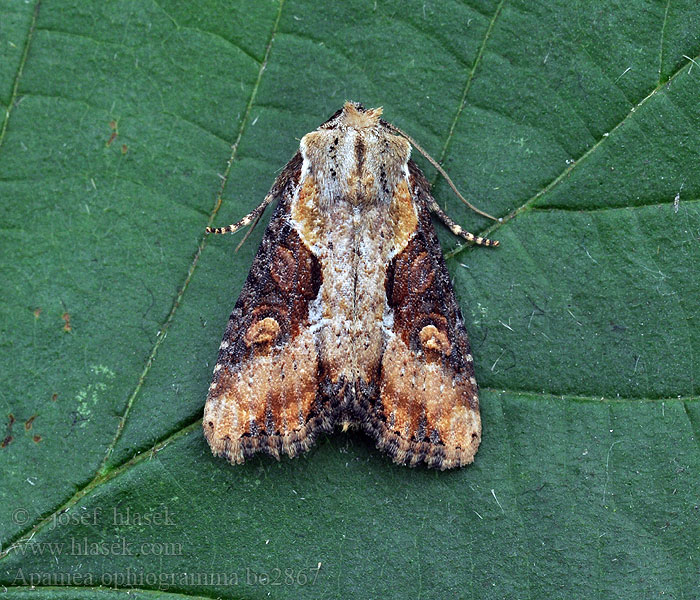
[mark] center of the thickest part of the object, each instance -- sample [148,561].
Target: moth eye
[434,340]
[262,333]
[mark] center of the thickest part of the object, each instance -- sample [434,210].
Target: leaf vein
[589,209]
[139,457]
[200,247]
[661,40]
[528,204]
[18,75]
[467,86]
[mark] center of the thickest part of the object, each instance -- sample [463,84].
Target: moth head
[355,115]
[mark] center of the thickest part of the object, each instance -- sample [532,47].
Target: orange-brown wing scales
[428,407]
[265,391]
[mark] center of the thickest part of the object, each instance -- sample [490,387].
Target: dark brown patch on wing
[427,408]
[265,391]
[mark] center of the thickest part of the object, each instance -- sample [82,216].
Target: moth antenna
[456,229]
[442,172]
[247,234]
[253,215]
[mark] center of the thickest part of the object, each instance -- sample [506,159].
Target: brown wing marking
[264,395]
[428,407]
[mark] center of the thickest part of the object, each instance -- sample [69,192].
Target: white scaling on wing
[388,321]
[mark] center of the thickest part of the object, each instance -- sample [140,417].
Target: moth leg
[253,215]
[456,229]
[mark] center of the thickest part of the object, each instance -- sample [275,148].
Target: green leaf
[129,127]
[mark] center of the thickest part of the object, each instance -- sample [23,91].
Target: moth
[348,316]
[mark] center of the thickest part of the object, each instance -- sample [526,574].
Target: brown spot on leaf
[37,438]
[67,326]
[6,441]
[29,422]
